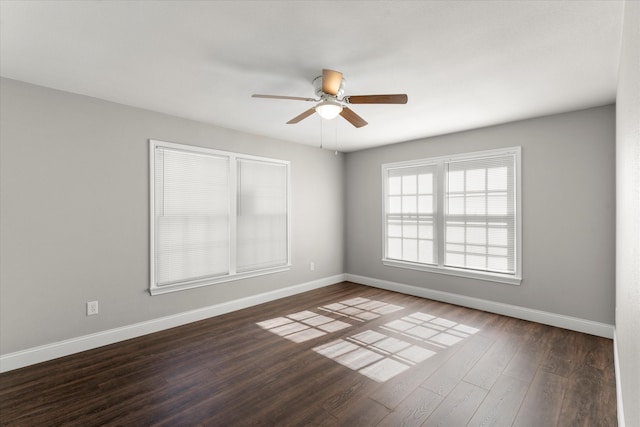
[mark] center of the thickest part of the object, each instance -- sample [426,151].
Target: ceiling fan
[329,88]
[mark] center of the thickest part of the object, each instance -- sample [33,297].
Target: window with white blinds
[455,215]
[215,216]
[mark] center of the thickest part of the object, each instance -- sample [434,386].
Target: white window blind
[215,216]
[192,216]
[410,214]
[480,214]
[455,215]
[262,215]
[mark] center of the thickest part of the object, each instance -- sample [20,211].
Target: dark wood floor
[342,355]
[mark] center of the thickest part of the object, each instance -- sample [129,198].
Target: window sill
[491,277]
[164,289]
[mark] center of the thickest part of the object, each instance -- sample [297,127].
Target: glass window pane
[498,236]
[475,205]
[456,205]
[498,178]
[394,248]
[395,185]
[454,259]
[497,205]
[455,181]
[476,261]
[409,184]
[476,235]
[394,229]
[410,249]
[425,231]
[498,264]
[425,204]
[410,230]
[425,183]
[409,204]
[395,205]
[475,179]
[425,251]
[455,235]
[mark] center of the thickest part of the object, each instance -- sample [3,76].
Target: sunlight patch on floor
[430,329]
[380,354]
[302,326]
[361,309]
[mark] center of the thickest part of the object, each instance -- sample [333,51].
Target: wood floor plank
[458,407]
[229,370]
[490,366]
[501,405]
[543,402]
[414,410]
[364,413]
[453,370]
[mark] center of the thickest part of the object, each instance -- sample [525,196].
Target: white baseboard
[616,364]
[51,351]
[553,319]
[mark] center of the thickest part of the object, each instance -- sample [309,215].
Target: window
[455,215]
[215,216]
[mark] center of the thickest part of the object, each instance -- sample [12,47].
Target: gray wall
[75,216]
[568,205]
[628,216]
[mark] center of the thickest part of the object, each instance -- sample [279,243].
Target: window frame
[232,275]
[439,215]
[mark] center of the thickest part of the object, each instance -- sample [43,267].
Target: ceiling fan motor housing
[317,86]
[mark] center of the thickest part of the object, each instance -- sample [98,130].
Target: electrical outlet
[312,266]
[92,308]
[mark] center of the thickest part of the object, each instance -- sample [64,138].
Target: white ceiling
[463,64]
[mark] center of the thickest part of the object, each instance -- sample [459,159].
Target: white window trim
[154,288]
[511,279]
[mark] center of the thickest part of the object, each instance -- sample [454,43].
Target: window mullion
[233,214]
[440,213]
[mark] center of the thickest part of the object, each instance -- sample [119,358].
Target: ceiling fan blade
[399,98]
[331,81]
[299,117]
[353,118]
[294,98]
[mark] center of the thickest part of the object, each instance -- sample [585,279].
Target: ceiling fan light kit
[329,88]
[329,109]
